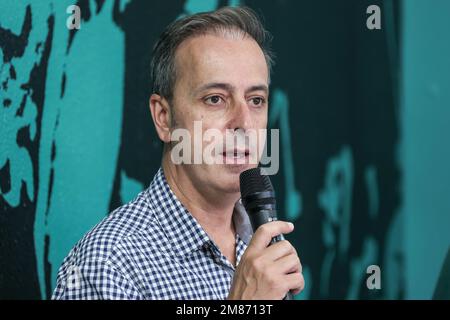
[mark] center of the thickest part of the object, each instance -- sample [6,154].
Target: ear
[159,108]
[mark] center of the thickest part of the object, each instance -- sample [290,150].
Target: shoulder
[126,220]
[101,259]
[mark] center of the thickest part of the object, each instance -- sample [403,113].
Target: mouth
[236,156]
[235,153]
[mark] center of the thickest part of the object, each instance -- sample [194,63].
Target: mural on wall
[77,138]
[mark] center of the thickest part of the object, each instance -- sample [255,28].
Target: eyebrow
[229,87]
[260,87]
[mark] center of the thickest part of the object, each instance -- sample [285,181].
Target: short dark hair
[241,19]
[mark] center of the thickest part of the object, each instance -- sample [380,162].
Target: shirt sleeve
[93,280]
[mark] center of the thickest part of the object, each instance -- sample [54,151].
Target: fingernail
[291,225]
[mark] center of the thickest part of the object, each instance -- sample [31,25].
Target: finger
[278,250]
[288,264]
[294,281]
[296,291]
[267,231]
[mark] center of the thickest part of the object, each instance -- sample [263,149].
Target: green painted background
[426,147]
[364,118]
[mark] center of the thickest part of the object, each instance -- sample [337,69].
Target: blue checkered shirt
[150,248]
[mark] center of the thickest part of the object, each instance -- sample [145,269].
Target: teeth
[235,154]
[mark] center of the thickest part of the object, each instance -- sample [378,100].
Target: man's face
[221,81]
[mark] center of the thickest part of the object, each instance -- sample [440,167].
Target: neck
[213,210]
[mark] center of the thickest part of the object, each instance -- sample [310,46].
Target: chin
[230,175]
[234,170]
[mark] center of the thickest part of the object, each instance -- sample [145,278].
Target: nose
[240,117]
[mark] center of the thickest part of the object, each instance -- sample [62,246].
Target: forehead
[233,59]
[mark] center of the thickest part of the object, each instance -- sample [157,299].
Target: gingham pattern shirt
[150,248]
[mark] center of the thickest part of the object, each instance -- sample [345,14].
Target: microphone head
[252,181]
[257,192]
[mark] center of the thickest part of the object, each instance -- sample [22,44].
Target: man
[188,236]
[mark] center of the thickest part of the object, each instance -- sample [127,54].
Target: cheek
[212,122]
[187,119]
[259,122]
[262,124]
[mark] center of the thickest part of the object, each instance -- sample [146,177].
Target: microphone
[258,198]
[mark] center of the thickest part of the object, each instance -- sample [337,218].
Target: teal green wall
[426,142]
[364,119]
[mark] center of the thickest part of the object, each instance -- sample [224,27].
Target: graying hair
[241,19]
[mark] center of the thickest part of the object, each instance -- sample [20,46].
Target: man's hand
[268,272]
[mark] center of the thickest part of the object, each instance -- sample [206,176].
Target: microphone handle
[260,217]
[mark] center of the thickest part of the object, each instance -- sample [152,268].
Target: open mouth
[236,153]
[232,156]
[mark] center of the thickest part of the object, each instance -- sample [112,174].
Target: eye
[214,100]
[258,101]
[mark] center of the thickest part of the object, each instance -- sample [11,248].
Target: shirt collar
[242,222]
[182,229]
